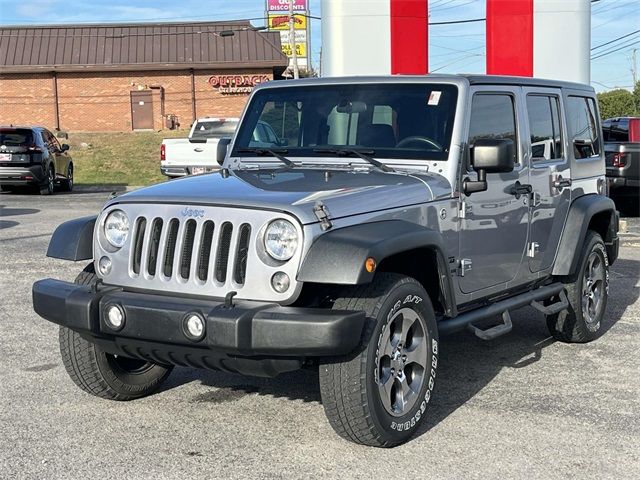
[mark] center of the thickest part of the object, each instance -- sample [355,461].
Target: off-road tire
[571,325]
[102,374]
[350,394]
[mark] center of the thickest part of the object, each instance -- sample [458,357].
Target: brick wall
[102,102]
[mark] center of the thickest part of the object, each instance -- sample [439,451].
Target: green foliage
[636,97]
[618,103]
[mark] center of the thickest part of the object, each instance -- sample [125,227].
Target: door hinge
[535,199]
[465,266]
[534,248]
[322,214]
[465,208]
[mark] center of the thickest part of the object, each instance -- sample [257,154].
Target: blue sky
[453,48]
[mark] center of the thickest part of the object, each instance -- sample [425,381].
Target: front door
[495,223]
[142,110]
[549,175]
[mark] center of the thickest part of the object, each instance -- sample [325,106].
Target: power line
[635,42]
[615,40]
[470,20]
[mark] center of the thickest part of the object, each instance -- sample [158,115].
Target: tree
[636,97]
[617,103]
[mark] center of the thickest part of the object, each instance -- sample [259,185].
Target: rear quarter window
[584,130]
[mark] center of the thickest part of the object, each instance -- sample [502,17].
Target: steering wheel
[405,142]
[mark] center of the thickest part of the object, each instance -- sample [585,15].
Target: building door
[142,110]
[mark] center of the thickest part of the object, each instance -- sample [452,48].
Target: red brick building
[131,77]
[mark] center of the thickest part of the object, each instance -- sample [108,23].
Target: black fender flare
[581,212]
[338,256]
[73,240]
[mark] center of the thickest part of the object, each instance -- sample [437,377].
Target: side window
[46,139]
[544,127]
[583,127]
[493,116]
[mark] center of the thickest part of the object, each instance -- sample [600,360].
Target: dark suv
[33,156]
[622,156]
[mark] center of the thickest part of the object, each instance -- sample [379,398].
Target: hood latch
[322,214]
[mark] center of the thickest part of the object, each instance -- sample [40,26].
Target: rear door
[59,158]
[549,174]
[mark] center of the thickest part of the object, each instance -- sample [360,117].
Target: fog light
[104,266]
[194,326]
[280,282]
[115,317]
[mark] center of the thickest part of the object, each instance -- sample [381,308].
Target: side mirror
[221,151]
[489,155]
[64,147]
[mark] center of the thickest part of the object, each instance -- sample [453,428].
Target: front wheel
[378,396]
[102,374]
[587,292]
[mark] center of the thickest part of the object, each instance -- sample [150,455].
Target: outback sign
[236,83]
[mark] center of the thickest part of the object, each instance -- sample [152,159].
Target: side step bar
[532,298]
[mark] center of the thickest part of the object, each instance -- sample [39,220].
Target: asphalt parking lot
[521,406]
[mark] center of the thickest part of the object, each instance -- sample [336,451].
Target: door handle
[197,150]
[562,182]
[520,189]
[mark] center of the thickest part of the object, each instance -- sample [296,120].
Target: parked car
[386,212]
[33,156]
[622,157]
[197,153]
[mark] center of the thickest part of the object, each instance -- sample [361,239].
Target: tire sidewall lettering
[411,301]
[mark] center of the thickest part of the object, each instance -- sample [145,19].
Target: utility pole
[292,41]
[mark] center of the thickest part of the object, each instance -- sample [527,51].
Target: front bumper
[276,338]
[15,175]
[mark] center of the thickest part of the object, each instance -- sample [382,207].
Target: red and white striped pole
[539,38]
[542,38]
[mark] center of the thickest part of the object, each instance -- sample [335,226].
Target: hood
[343,192]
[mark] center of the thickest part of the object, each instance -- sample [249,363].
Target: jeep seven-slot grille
[191,248]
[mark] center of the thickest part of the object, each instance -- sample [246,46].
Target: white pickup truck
[197,153]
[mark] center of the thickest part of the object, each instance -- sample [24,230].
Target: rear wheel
[587,292]
[378,396]
[102,374]
[49,186]
[67,183]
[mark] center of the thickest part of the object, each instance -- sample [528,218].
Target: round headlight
[116,228]
[281,240]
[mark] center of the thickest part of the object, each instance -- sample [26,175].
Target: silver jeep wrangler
[388,211]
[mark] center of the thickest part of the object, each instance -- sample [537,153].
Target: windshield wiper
[363,154]
[268,151]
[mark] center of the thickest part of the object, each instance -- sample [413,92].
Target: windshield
[390,120]
[215,128]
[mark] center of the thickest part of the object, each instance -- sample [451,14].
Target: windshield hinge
[322,214]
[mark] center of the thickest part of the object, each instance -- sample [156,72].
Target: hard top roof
[473,79]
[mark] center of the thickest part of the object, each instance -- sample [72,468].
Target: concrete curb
[105,188]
